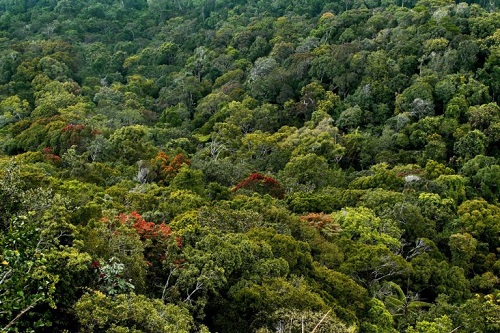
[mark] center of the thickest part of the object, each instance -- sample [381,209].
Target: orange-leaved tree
[259,183]
[167,168]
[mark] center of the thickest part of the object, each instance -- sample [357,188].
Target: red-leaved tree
[167,168]
[259,183]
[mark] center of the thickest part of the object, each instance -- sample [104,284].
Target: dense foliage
[249,166]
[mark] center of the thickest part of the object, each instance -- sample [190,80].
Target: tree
[351,297]
[403,307]
[432,275]
[471,144]
[437,210]
[333,64]
[482,173]
[274,294]
[481,117]
[13,109]
[189,179]
[307,172]
[265,79]
[372,264]
[52,96]
[163,169]
[378,319]
[35,253]
[131,143]
[261,184]
[119,107]
[319,137]
[313,98]
[351,118]
[463,249]
[97,312]
[487,180]
[479,313]
[440,325]
[417,100]
[115,241]
[380,177]
[457,108]
[453,186]
[479,218]
[361,225]
[199,62]
[176,203]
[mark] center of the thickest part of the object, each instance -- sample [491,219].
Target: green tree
[403,307]
[432,276]
[274,294]
[308,172]
[265,78]
[471,144]
[97,312]
[35,254]
[487,180]
[440,325]
[380,177]
[13,109]
[417,100]
[361,225]
[463,248]
[479,218]
[131,143]
[378,319]
[481,117]
[351,118]
[318,136]
[436,209]
[189,179]
[372,264]
[452,186]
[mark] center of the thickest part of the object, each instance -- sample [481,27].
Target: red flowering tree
[160,246]
[167,168]
[323,222]
[49,156]
[74,135]
[259,183]
[158,238]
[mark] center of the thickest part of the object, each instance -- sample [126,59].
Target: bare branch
[321,321]
[5,276]
[13,321]
[172,270]
[198,287]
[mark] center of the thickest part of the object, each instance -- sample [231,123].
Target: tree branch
[12,322]
[198,287]
[172,270]
[321,321]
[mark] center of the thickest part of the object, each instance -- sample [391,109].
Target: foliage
[244,166]
[129,312]
[261,184]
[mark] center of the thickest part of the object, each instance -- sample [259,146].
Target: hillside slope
[249,166]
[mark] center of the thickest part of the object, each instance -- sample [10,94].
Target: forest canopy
[249,166]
